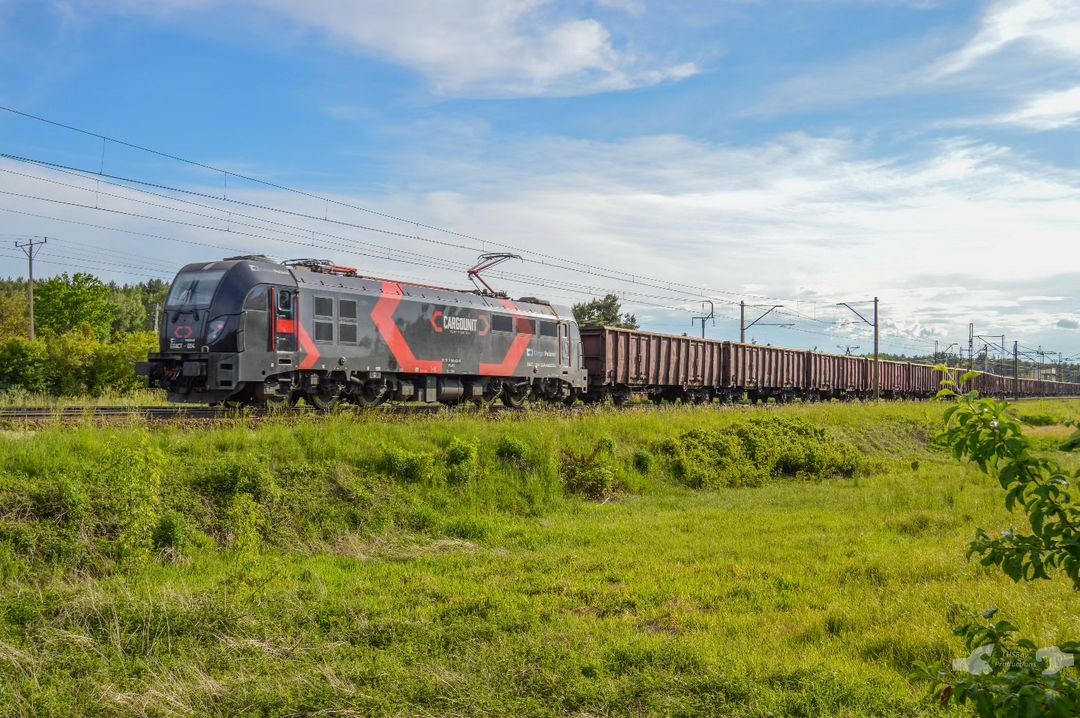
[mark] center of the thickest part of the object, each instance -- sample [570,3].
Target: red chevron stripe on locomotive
[517,349]
[383,316]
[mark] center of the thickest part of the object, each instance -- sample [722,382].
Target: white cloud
[1049,111]
[1050,26]
[1043,112]
[815,219]
[1015,47]
[476,48]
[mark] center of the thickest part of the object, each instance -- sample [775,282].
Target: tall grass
[449,565]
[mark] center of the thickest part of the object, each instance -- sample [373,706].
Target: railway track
[171,413]
[204,413]
[30,413]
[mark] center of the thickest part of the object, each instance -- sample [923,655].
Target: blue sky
[799,153]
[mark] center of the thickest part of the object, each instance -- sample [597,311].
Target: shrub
[588,475]
[74,363]
[643,461]
[172,532]
[512,451]
[704,459]
[132,483]
[244,523]
[462,461]
[409,465]
[749,454]
[1038,419]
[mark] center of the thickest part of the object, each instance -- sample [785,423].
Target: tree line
[89,334]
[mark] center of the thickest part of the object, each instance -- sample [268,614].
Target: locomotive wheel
[323,402]
[370,395]
[492,391]
[515,396]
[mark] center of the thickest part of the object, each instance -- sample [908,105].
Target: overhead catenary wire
[544,258]
[302,233]
[690,290]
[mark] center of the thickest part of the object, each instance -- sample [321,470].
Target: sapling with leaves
[1005,675]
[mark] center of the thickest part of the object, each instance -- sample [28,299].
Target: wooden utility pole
[31,248]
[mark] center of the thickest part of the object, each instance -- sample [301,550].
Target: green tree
[604,312]
[128,308]
[64,303]
[13,311]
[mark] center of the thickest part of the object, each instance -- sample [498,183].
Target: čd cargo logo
[480,324]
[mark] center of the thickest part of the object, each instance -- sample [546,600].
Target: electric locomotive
[250,330]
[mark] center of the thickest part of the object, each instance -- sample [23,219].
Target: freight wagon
[621,362]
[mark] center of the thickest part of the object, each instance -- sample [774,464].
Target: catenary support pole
[1016,370]
[877,358]
[742,322]
[971,346]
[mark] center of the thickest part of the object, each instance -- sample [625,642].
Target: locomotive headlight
[215,329]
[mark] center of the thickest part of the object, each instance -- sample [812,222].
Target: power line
[586,268]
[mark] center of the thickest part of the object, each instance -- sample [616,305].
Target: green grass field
[300,568]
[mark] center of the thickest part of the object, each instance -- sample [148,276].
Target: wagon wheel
[657,398]
[515,396]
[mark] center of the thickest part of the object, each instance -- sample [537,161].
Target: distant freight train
[249,330]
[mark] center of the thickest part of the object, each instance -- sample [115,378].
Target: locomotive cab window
[502,323]
[193,290]
[347,321]
[285,303]
[256,298]
[549,329]
[324,319]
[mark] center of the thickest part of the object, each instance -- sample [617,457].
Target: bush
[512,451]
[1038,419]
[462,461]
[750,454]
[588,475]
[75,363]
[643,461]
[244,523]
[1006,675]
[409,465]
[172,533]
[704,459]
[133,482]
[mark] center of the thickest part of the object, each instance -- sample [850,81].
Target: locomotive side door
[283,326]
[564,346]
